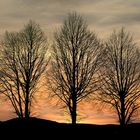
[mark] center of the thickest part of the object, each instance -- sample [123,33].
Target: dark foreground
[48,130]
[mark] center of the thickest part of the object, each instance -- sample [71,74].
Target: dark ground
[40,129]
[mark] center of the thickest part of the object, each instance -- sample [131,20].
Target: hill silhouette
[45,129]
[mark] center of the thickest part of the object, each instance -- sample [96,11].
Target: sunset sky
[102,16]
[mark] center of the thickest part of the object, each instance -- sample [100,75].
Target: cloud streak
[100,14]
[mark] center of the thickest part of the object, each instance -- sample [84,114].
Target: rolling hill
[35,128]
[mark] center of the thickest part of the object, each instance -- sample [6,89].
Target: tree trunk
[74,114]
[122,121]
[74,102]
[27,108]
[27,103]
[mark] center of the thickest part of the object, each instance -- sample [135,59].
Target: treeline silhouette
[80,66]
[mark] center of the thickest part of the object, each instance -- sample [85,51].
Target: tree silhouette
[23,60]
[120,76]
[74,63]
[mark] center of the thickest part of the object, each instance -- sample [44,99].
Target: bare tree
[74,63]
[120,76]
[23,60]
